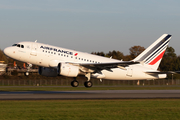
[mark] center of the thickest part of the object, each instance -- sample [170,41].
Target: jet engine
[68,70]
[49,72]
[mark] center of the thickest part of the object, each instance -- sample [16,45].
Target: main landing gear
[74,83]
[87,84]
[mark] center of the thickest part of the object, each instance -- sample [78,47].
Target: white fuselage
[49,56]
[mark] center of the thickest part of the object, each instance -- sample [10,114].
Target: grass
[139,109]
[69,88]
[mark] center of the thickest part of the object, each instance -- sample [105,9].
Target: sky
[90,25]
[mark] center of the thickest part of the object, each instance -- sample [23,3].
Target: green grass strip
[159,109]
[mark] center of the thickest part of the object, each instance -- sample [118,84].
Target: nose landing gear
[28,69]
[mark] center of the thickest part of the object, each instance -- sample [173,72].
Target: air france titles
[57,50]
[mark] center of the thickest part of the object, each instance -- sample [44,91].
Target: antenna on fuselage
[35,41]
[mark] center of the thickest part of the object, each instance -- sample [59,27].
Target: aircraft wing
[107,66]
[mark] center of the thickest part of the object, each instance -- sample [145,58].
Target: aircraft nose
[6,51]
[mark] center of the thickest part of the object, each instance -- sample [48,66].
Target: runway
[90,94]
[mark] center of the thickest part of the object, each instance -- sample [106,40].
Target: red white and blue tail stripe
[153,54]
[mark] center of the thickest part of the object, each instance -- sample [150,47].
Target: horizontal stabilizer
[158,72]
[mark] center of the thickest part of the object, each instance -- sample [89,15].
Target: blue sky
[90,25]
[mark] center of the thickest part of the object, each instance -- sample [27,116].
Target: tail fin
[152,56]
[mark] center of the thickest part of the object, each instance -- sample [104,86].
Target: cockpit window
[14,45]
[18,45]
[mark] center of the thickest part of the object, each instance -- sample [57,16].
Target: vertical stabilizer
[152,56]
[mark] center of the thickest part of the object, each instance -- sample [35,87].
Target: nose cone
[6,51]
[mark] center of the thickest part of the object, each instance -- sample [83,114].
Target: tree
[3,57]
[115,55]
[98,53]
[135,51]
[127,58]
[169,61]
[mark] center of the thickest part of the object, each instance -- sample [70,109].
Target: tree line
[170,61]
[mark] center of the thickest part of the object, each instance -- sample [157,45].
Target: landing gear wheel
[74,83]
[88,84]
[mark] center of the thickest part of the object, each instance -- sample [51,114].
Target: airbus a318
[54,61]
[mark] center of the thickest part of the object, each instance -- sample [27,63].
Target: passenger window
[22,46]
[18,45]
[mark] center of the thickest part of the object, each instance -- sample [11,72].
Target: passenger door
[34,49]
[130,71]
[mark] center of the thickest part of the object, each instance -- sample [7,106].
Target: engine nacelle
[49,72]
[68,70]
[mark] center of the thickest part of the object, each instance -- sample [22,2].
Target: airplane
[54,61]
